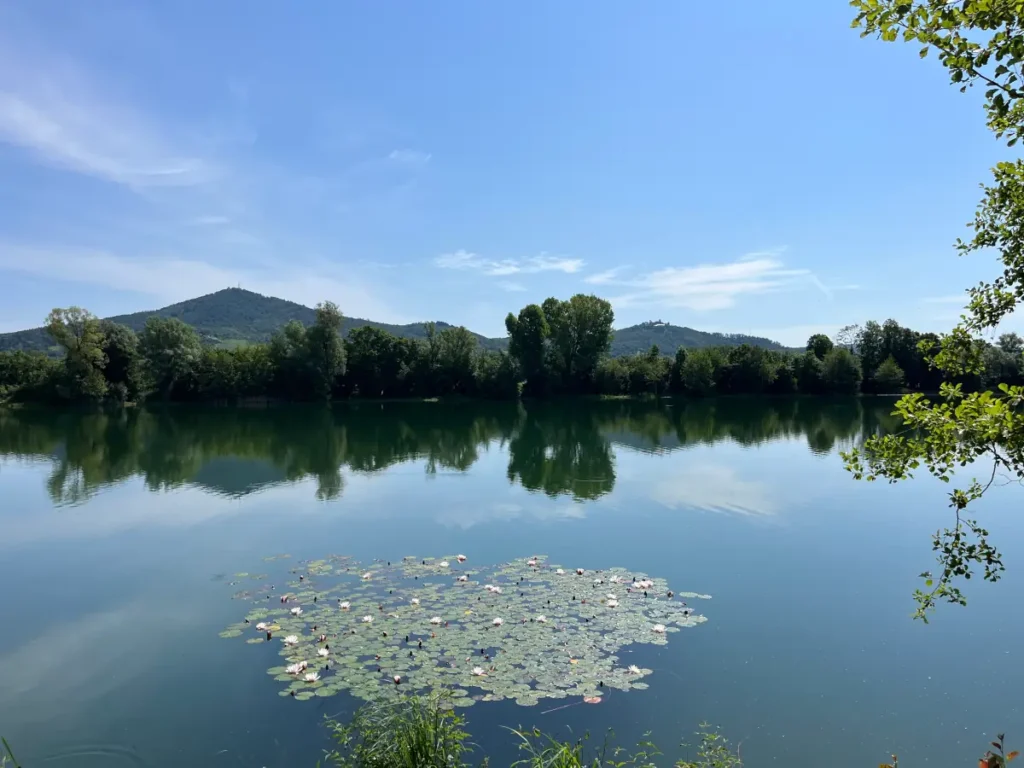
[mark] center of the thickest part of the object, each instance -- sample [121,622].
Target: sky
[741,167]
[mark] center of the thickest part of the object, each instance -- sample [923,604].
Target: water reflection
[560,449]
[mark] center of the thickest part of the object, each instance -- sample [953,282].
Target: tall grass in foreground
[426,733]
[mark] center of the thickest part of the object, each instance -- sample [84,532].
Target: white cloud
[206,190]
[51,109]
[716,488]
[409,157]
[172,279]
[603,278]
[708,287]
[510,286]
[465,260]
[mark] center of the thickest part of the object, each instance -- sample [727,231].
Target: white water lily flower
[461,558]
[323,652]
[367,575]
[645,584]
[659,629]
[312,677]
[443,563]
[542,619]
[613,603]
[415,601]
[262,626]
[611,596]
[297,610]
[489,587]
[633,669]
[367,619]
[496,591]
[615,580]
[559,571]
[436,620]
[291,640]
[579,571]
[498,622]
[531,562]
[478,671]
[463,578]
[598,581]
[294,669]
[344,605]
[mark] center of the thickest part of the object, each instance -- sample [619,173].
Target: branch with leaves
[978,42]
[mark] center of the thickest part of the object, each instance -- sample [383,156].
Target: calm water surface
[119,535]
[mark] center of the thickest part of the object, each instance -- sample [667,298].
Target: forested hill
[235,316]
[231,317]
[639,338]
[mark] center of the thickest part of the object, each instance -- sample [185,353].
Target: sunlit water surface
[119,535]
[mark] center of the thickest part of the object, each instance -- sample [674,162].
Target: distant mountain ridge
[236,316]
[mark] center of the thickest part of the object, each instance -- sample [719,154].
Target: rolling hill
[230,317]
[235,316]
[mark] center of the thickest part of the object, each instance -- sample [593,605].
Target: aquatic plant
[405,733]
[513,631]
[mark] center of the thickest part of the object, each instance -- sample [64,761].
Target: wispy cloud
[409,157]
[465,260]
[712,286]
[603,278]
[168,279]
[51,109]
[204,188]
[508,285]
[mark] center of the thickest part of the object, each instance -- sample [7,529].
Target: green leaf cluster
[980,43]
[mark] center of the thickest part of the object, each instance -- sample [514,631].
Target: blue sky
[744,167]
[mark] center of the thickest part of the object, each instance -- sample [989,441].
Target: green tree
[699,372]
[79,333]
[288,361]
[979,42]
[841,371]
[810,373]
[820,345]
[527,335]
[1012,344]
[581,333]
[374,362]
[456,348]
[123,369]
[889,376]
[325,353]
[748,370]
[172,351]
[678,362]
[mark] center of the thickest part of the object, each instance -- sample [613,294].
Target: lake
[120,536]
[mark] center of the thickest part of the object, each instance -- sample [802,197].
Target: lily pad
[522,630]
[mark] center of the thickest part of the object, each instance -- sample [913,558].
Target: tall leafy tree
[456,348]
[80,335]
[979,42]
[699,372]
[527,335]
[581,333]
[123,369]
[820,345]
[840,371]
[325,353]
[172,351]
